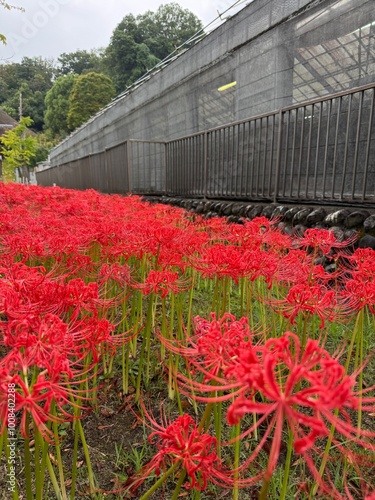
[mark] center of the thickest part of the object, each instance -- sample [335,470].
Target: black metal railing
[318,151]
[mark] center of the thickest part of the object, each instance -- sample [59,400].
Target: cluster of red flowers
[77,267]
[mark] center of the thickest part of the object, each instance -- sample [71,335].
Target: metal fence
[321,150]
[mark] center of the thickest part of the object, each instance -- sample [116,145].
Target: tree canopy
[79,62]
[90,93]
[18,148]
[139,42]
[32,78]
[57,105]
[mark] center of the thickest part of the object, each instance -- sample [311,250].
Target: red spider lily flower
[308,390]
[263,233]
[363,264]
[26,290]
[293,268]
[196,451]
[183,443]
[116,272]
[46,341]
[359,293]
[82,297]
[94,336]
[323,240]
[221,260]
[260,263]
[215,344]
[37,401]
[46,399]
[312,299]
[162,283]
[235,261]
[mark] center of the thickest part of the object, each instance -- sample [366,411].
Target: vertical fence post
[278,156]
[129,164]
[106,172]
[205,164]
[165,190]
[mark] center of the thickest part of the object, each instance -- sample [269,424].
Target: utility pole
[20,108]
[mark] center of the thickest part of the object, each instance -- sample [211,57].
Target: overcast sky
[48,28]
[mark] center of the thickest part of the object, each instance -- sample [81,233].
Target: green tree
[32,78]
[90,93]
[18,148]
[57,106]
[43,148]
[138,43]
[79,62]
[169,27]
[126,59]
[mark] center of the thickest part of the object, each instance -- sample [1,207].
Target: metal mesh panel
[97,173]
[186,166]
[117,169]
[147,172]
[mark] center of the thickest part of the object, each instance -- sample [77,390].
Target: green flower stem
[26,446]
[275,448]
[140,367]
[37,462]
[357,331]
[242,296]
[190,303]
[205,420]
[177,490]
[160,481]
[215,297]
[225,295]
[149,323]
[59,460]
[74,462]
[87,456]
[43,462]
[171,389]
[177,304]
[125,367]
[94,398]
[145,345]
[359,362]
[163,327]
[288,459]
[237,451]
[2,440]
[218,423]
[322,467]
[249,304]
[263,494]
[54,481]
[262,310]
[180,305]
[172,309]
[193,402]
